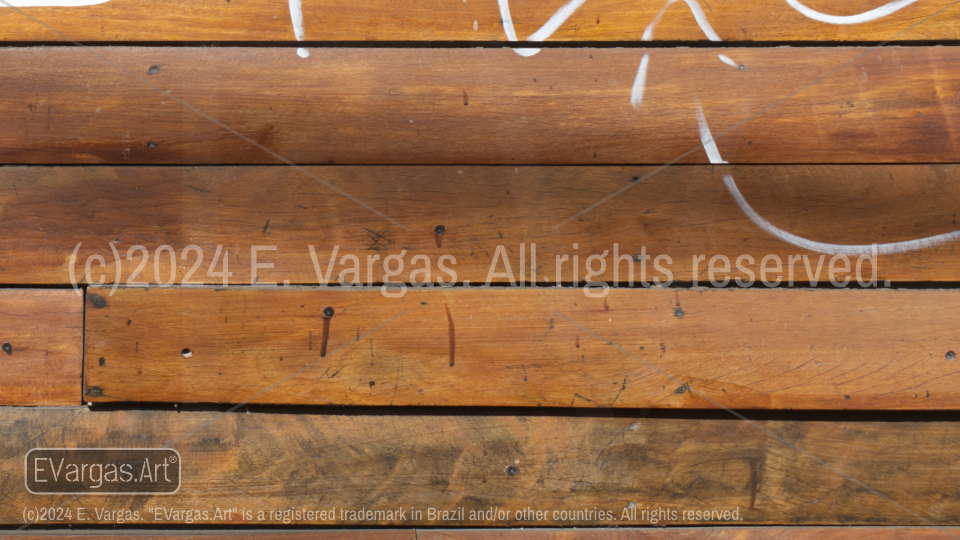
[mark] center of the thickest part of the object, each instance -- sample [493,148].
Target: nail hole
[951,356]
[154,69]
[98,301]
[513,470]
[439,229]
[328,312]
[8,348]
[151,145]
[186,353]
[678,313]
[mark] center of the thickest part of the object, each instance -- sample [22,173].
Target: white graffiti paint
[891,248]
[52,3]
[296,17]
[867,16]
[726,60]
[545,31]
[636,95]
[713,153]
[698,15]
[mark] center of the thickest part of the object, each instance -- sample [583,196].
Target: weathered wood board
[41,347]
[779,349]
[675,215]
[422,20]
[625,533]
[478,106]
[587,470]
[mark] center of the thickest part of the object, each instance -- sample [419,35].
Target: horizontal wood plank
[422,20]
[778,349]
[674,215]
[564,464]
[41,357]
[626,533]
[480,106]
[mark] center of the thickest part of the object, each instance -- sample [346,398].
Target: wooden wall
[668,269]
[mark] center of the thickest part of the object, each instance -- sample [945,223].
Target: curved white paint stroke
[698,14]
[892,248]
[867,16]
[53,3]
[636,95]
[726,60]
[544,32]
[713,153]
[296,17]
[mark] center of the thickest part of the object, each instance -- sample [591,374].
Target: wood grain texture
[679,212]
[699,533]
[41,358]
[368,534]
[422,20]
[626,533]
[480,106]
[279,461]
[777,349]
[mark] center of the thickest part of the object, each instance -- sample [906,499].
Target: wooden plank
[626,533]
[369,534]
[41,354]
[772,349]
[421,20]
[565,464]
[700,533]
[680,213]
[479,106]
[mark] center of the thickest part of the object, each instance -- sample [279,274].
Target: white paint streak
[636,95]
[867,16]
[713,153]
[892,248]
[53,3]
[698,14]
[726,60]
[296,17]
[558,19]
[545,31]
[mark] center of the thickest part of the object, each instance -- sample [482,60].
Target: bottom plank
[313,469]
[678,533]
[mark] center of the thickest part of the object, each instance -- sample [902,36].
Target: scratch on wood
[453,334]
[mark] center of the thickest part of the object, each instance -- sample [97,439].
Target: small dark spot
[678,313]
[846,396]
[7,348]
[128,322]
[742,67]
[186,353]
[328,312]
[94,391]
[154,69]
[265,227]
[951,356]
[98,301]
[683,389]
[439,229]
[513,470]
[102,361]
[372,383]
[465,101]
[750,143]
[151,145]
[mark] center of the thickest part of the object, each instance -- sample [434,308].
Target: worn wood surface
[626,533]
[480,106]
[780,349]
[41,357]
[422,20]
[700,533]
[279,461]
[679,212]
